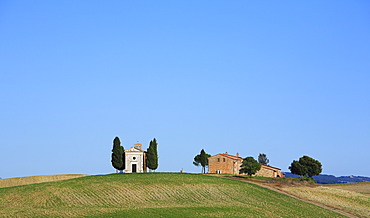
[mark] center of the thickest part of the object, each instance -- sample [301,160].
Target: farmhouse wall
[224,163]
[269,171]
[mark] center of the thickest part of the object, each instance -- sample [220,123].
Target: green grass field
[151,194]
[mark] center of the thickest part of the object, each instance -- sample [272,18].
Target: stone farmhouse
[226,163]
[135,159]
[269,171]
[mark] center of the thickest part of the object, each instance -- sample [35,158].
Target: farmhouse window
[218,159]
[224,159]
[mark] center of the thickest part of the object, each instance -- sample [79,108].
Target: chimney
[237,154]
[226,152]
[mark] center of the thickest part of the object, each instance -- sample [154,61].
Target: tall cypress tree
[203,160]
[152,155]
[155,154]
[117,155]
[123,159]
[262,159]
[149,156]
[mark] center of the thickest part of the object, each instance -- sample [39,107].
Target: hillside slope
[352,197]
[152,194]
[361,187]
[36,179]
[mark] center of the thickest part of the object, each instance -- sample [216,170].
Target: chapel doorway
[134,168]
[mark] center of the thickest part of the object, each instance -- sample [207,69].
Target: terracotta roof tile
[268,166]
[230,156]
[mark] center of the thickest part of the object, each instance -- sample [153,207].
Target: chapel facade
[135,159]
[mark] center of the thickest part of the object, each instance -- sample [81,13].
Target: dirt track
[277,189]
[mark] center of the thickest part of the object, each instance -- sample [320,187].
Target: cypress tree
[155,154]
[152,155]
[149,156]
[262,159]
[123,159]
[117,155]
[202,160]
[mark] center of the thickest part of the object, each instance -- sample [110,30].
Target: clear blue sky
[282,78]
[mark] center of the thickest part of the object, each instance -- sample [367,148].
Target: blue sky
[282,78]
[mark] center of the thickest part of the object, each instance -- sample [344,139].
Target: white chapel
[135,159]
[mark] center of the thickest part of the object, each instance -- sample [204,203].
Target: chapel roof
[134,149]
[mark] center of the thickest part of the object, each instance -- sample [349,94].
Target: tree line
[118,155]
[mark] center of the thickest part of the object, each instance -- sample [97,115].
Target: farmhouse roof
[230,156]
[270,167]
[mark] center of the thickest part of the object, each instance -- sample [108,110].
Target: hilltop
[152,194]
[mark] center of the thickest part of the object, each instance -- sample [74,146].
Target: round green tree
[306,166]
[249,166]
